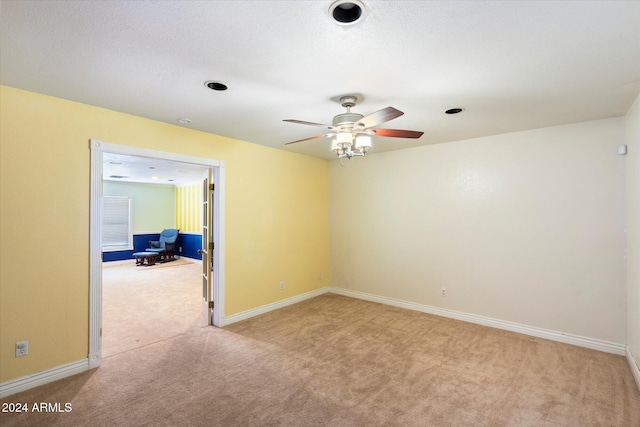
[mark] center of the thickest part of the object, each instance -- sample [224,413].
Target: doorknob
[200,251]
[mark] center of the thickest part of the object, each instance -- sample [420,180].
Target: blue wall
[190,243]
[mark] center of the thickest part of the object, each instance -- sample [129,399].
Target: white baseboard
[227,320]
[44,377]
[635,369]
[21,384]
[591,343]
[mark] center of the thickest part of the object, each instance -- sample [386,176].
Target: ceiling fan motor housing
[346,120]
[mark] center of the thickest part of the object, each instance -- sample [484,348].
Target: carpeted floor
[142,305]
[337,361]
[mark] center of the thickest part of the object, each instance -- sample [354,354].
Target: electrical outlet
[443,292]
[319,277]
[282,286]
[22,348]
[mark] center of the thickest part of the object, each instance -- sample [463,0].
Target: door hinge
[211,305]
[211,246]
[212,186]
[100,331]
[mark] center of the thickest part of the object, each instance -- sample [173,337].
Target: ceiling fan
[353,131]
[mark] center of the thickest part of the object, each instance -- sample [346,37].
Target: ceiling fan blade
[300,122]
[324,135]
[379,117]
[398,133]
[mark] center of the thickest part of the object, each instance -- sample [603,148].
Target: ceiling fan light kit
[351,132]
[363,142]
[346,144]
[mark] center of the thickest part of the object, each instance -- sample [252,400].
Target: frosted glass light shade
[344,139]
[363,142]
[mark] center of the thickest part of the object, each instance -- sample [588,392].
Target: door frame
[95,224]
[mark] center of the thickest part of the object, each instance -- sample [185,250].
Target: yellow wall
[189,208]
[276,220]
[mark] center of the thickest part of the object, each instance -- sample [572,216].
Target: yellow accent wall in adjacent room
[275,231]
[189,208]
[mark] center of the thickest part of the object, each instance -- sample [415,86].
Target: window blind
[116,223]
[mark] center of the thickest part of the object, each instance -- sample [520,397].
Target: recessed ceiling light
[346,12]
[213,85]
[454,111]
[184,121]
[154,177]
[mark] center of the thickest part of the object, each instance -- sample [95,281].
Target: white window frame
[125,246]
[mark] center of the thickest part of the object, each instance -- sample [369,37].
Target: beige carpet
[146,304]
[337,361]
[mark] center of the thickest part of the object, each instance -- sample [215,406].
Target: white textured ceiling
[122,167]
[513,65]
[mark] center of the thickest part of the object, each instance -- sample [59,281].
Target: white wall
[632,139]
[525,227]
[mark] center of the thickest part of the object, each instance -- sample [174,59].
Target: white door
[207,249]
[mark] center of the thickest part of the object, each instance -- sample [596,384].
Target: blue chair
[166,246]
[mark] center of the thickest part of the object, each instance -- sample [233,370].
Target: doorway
[217,169]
